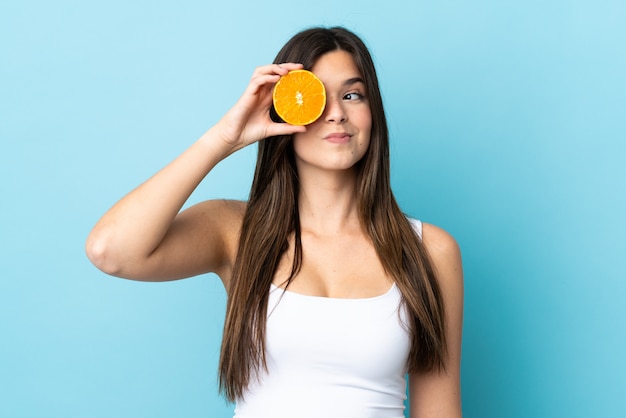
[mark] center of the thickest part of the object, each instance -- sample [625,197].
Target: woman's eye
[353,96]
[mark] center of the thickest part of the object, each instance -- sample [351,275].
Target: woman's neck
[328,202]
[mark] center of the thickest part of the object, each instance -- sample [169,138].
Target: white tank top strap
[417,226]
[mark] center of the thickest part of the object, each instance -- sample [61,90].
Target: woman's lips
[338,137]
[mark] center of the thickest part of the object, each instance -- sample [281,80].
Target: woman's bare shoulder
[221,216]
[232,210]
[443,250]
[437,239]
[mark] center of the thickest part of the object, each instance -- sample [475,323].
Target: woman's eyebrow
[352,81]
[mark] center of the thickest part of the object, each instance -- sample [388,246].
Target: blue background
[508,123]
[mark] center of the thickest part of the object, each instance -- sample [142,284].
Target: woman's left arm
[438,394]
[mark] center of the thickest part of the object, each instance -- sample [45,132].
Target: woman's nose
[334,111]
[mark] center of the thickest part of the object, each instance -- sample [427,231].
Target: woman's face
[341,136]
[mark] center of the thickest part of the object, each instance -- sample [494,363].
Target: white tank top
[332,357]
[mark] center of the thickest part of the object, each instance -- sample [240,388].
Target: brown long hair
[272,216]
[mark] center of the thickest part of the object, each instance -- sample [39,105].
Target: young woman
[334,295]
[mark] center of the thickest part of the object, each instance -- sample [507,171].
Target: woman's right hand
[249,119]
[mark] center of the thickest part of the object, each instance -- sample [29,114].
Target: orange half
[299,97]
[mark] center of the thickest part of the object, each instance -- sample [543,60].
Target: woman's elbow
[99,252]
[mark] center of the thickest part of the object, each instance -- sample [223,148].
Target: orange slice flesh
[299,97]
